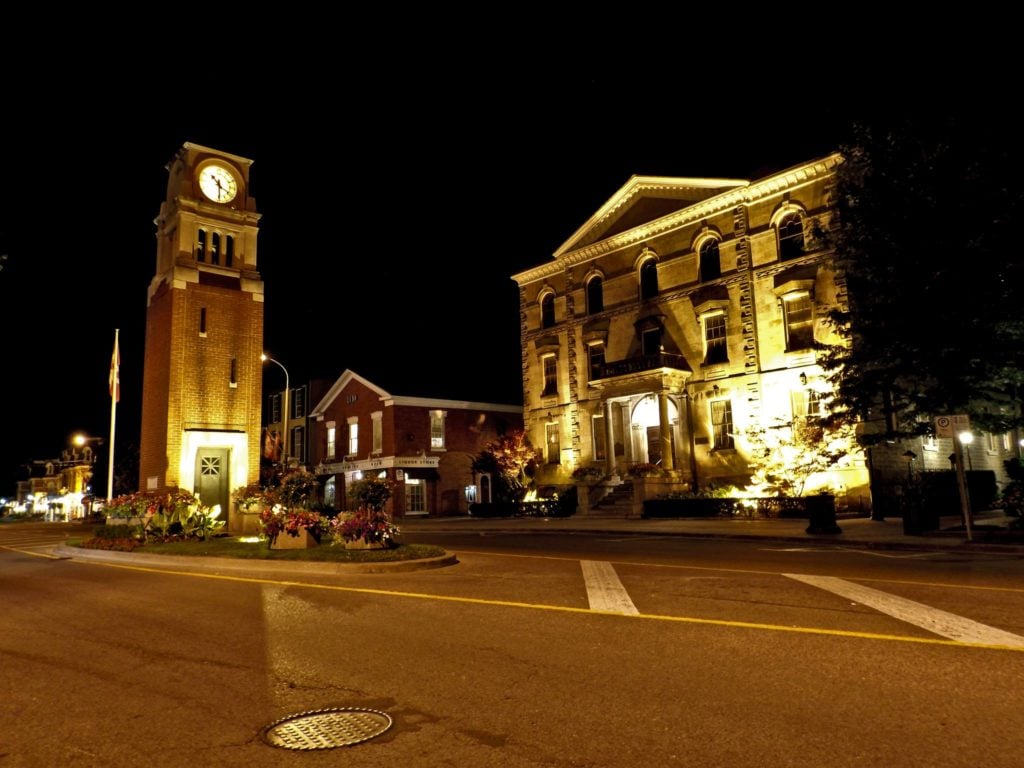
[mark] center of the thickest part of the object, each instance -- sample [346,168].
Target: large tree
[928,238]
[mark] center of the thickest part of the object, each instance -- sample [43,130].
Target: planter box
[360,544]
[302,541]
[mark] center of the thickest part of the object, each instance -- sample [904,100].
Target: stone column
[609,440]
[667,459]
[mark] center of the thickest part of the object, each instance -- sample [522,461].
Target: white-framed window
[275,409]
[415,495]
[715,348]
[992,442]
[437,430]
[552,443]
[377,425]
[710,264]
[721,424]
[1007,441]
[791,236]
[332,440]
[353,436]
[297,404]
[600,437]
[550,364]
[648,279]
[547,310]
[595,295]
[595,359]
[807,404]
[298,450]
[798,313]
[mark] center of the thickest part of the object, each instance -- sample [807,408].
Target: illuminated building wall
[204,332]
[678,317]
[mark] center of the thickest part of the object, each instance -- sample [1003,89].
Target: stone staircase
[617,504]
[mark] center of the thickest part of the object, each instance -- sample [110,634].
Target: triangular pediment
[642,200]
[339,386]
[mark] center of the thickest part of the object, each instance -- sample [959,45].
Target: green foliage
[511,461]
[785,455]
[926,239]
[297,489]
[371,492]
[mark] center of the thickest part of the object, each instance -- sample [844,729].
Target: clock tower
[204,334]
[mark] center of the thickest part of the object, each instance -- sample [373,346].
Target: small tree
[784,456]
[371,493]
[511,461]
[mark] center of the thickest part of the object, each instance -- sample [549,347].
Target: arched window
[229,251]
[710,261]
[791,236]
[215,248]
[648,279]
[201,245]
[595,295]
[547,311]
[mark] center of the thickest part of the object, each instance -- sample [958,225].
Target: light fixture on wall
[714,388]
[803,379]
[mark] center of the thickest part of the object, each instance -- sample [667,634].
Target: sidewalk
[857,531]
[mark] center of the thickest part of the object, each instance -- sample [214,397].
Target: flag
[115,372]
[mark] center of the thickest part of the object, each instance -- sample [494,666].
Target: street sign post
[954,426]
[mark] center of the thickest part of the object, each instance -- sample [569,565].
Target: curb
[255,564]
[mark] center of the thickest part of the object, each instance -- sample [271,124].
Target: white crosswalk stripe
[932,619]
[604,590]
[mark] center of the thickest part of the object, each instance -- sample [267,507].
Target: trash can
[821,514]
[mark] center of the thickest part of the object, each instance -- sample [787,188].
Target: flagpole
[115,395]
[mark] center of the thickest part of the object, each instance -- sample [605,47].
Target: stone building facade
[677,320]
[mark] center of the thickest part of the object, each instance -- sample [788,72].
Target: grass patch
[229,546]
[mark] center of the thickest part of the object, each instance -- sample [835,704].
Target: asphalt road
[557,651]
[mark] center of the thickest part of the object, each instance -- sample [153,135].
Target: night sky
[393,216]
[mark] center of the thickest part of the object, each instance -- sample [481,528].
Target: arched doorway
[646,422]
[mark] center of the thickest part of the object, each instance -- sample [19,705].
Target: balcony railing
[642,363]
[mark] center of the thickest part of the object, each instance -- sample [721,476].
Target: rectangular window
[201,245]
[332,441]
[595,353]
[215,248]
[330,491]
[721,424]
[234,371]
[715,348]
[600,442]
[229,250]
[298,450]
[415,495]
[552,444]
[377,425]
[806,404]
[650,341]
[437,430]
[799,319]
[550,376]
[353,437]
[202,321]
[298,403]
[1007,441]
[275,409]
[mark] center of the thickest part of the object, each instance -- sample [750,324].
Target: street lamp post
[284,412]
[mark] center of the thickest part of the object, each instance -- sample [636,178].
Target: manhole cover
[326,728]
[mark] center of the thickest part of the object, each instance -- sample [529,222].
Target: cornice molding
[746,195]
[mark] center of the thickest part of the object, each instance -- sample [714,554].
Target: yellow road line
[558,608]
[34,554]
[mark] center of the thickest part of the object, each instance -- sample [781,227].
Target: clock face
[218,184]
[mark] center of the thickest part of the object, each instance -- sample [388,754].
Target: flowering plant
[644,470]
[248,496]
[587,472]
[368,525]
[279,519]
